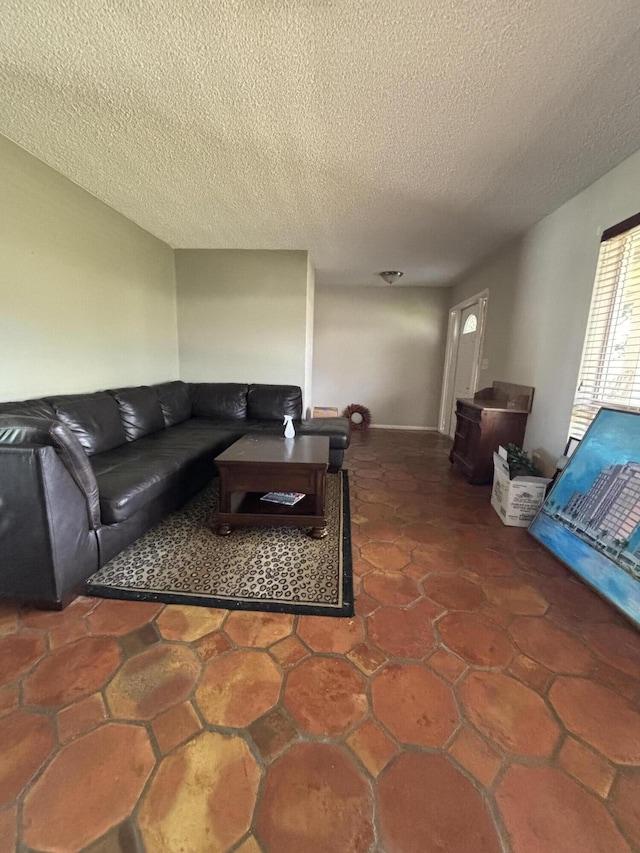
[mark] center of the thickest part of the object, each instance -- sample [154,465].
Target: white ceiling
[378,134]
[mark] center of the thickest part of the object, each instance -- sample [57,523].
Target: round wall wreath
[359,416]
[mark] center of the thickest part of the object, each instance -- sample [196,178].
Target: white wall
[242,315]
[382,347]
[308,355]
[87,298]
[539,296]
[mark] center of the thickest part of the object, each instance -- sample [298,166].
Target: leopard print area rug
[277,569]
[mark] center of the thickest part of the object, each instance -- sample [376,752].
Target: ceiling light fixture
[391,276]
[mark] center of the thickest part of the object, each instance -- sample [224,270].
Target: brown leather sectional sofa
[84,475]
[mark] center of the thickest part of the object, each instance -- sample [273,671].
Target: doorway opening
[462,357]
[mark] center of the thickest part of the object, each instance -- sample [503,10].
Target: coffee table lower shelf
[250,510]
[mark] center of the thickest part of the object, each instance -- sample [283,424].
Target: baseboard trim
[413,428]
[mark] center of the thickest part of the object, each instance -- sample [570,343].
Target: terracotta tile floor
[482,699]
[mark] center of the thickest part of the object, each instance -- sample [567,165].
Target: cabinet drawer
[462,427]
[468,412]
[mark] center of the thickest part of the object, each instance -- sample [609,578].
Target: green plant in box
[519,463]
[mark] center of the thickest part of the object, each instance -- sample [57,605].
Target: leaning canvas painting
[591,518]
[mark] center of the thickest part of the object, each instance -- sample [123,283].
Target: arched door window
[470,324]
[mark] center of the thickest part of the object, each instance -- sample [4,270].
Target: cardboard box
[324,412]
[516,501]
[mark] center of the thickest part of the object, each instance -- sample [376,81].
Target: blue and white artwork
[591,518]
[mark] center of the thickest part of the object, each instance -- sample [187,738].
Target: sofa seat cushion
[338,430]
[129,482]
[94,419]
[273,402]
[221,401]
[194,438]
[140,411]
[264,427]
[132,476]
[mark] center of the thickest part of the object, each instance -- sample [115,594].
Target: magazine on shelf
[288,498]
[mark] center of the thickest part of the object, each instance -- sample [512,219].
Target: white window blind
[610,369]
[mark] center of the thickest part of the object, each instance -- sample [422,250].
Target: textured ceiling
[377,134]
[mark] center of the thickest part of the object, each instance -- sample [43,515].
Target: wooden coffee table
[257,464]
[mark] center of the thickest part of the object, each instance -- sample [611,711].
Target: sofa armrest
[338,430]
[48,547]
[18,431]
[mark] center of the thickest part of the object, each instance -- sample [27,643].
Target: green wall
[242,315]
[87,298]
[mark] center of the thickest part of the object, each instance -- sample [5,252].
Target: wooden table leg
[318,532]
[224,505]
[320,484]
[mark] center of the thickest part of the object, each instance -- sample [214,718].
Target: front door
[462,362]
[466,360]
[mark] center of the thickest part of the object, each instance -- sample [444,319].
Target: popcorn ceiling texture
[377,134]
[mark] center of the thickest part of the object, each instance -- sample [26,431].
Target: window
[470,324]
[610,370]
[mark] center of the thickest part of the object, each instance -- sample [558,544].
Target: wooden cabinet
[494,417]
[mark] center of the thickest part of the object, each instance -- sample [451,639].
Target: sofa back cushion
[223,401]
[140,411]
[30,408]
[94,419]
[273,402]
[175,402]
